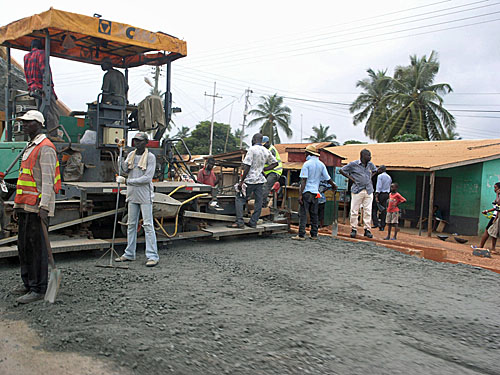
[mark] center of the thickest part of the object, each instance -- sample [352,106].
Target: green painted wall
[407,182]
[465,189]
[490,176]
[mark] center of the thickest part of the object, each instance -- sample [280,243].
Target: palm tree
[369,103]
[272,114]
[321,135]
[183,132]
[416,104]
[237,135]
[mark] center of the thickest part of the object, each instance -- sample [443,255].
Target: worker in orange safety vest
[38,182]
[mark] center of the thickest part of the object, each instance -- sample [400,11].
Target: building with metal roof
[458,176]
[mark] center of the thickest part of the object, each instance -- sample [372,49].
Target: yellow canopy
[91,39]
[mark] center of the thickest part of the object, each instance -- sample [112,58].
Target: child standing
[392,219]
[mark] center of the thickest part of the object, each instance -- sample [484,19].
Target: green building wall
[490,176]
[466,198]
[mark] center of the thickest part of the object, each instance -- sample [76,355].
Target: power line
[314,48]
[328,27]
[364,28]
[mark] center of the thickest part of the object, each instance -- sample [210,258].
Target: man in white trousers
[360,172]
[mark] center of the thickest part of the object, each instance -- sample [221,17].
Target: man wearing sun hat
[140,166]
[312,173]
[38,182]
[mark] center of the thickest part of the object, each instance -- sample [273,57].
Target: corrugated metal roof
[283,147]
[432,155]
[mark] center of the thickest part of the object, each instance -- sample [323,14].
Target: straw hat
[311,149]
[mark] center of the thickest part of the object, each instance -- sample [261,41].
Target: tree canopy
[408,103]
[321,135]
[353,142]
[199,140]
[272,115]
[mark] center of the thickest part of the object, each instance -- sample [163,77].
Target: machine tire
[123,228]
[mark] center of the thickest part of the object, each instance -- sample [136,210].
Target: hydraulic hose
[178,211]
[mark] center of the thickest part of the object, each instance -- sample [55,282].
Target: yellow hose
[177,214]
[177,188]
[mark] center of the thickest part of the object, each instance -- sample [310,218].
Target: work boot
[30,297]
[298,238]
[353,233]
[368,234]
[123,258]
[20,291]
[314,238]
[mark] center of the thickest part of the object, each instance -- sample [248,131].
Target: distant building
[464,174]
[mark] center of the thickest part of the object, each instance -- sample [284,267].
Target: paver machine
[88,142]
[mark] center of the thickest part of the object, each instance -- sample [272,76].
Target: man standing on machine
[114,85]
[34,70]
[272,175]
[39,181]
[140,166]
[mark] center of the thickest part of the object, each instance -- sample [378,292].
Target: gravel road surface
[271,306]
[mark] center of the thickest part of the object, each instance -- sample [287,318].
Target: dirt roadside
[272,306]
[20,353]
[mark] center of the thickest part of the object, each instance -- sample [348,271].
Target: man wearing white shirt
[382,191]
[252,180]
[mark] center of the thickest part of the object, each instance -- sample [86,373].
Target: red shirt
[394,200]
[206,178]
[34,67]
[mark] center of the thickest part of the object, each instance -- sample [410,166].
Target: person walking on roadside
[360,172]
[312,173]
[140,165]
[382,190]
[252,180]
[272,175]
[38,182]
[493,213]
[395,199]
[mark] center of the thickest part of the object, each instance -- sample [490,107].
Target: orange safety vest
[26,192]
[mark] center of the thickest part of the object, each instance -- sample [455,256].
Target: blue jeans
[134,209]
[256,190]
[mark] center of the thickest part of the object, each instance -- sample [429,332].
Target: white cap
[33,115]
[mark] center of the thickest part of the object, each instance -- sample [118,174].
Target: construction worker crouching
[273,175]
[39,181]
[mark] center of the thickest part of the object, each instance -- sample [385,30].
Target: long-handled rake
[112,252]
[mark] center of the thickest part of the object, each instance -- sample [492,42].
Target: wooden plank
[69,223]
[208,216]
[218,232]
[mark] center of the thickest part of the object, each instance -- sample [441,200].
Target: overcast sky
[312,51]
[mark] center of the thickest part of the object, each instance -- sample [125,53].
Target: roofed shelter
[90,40]
[458,176]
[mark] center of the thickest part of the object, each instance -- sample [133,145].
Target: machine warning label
[104,26]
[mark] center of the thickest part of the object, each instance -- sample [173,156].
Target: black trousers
[382,198]
[32,252]
[309,204]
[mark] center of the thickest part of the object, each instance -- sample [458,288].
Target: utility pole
[157,79]
[214,96]
[245,113]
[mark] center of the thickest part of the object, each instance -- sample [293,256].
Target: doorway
[442,196]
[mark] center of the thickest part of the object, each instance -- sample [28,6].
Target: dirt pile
[273,305]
